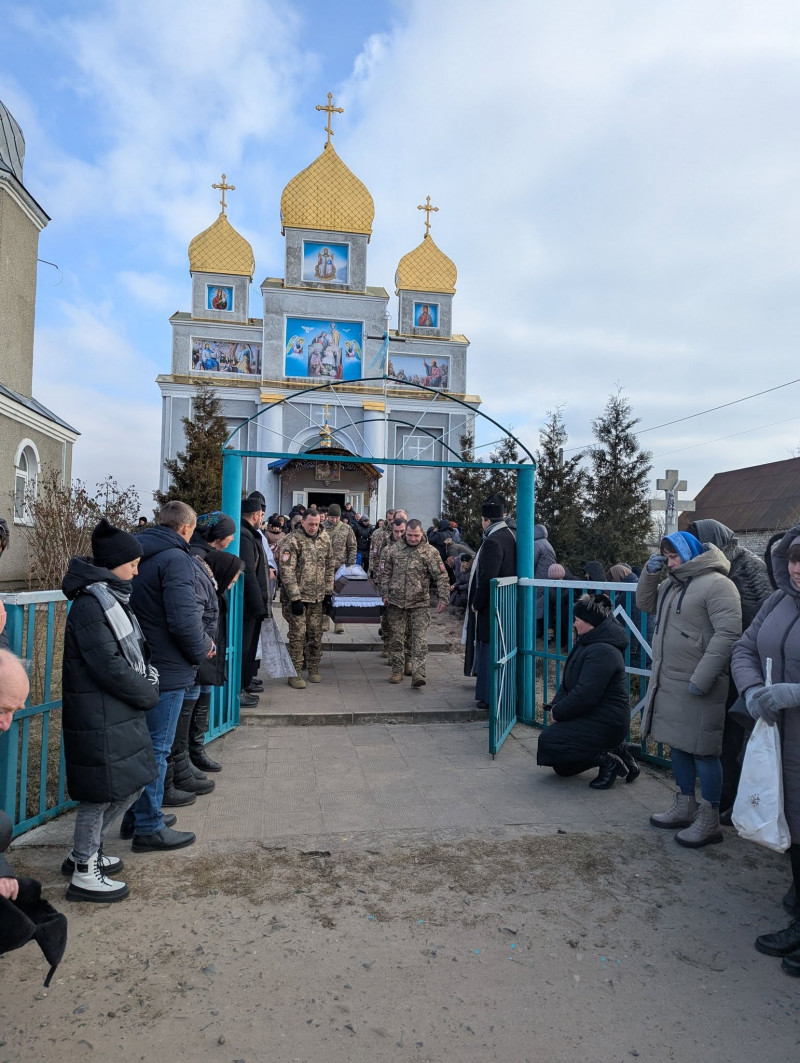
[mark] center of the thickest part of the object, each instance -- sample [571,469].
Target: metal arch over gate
[511,688]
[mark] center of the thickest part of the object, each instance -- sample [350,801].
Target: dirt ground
[561,948]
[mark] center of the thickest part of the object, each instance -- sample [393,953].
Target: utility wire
[747,431]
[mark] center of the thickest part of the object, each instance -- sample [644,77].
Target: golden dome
[220,249]
[426,269]
[329,196]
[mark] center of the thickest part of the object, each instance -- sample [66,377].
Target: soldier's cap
[334,510]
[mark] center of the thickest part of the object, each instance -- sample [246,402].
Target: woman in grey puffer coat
[698,620]
[775,635]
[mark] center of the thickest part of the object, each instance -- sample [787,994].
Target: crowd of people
[145,644]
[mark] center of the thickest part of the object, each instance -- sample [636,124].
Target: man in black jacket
[256,592]
[496,559]
[165,603]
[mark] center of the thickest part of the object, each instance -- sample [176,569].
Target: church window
[26,473]
[417,447]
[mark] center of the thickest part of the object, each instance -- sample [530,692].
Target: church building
[390,392]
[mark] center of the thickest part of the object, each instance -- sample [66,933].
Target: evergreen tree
[197,472]
[464,493]
[561,485]
[619,487]
[504,481]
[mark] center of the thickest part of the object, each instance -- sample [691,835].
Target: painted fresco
[426,315]
[323,350]
[326,263]
[418,369]
[213,356]
[219,297]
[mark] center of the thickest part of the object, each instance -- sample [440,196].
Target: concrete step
[338,718]
[346,644]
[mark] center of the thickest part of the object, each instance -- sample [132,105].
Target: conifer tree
[619,487]
[504,481]
[197,471]
[561,484]
[464,493]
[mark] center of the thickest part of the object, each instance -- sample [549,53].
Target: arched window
[26,473]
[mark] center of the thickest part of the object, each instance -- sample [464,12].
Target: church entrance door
[326,498]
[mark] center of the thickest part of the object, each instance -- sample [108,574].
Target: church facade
[377,392]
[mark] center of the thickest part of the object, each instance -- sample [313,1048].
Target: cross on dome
[331,111]
[427,208]
[225,188]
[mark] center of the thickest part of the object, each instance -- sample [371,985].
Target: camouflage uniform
[376,544]
[378,571]
[343,541]
[306,569]
[409,571]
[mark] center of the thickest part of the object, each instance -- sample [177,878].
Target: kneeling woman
[591,710]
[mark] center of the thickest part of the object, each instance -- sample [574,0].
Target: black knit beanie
[112,546]
[593,608]
[493,508]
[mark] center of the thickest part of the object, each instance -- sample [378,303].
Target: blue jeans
[161,723]
[685,766]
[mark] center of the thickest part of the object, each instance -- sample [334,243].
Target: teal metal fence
[32,775]
[503,675]
[551,643]
[32,770]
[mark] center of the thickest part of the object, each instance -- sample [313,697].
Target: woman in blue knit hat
[698,619]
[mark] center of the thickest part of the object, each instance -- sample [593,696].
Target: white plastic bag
[758,808]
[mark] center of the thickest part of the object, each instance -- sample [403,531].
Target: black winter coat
[107,747]
[496,560]
[591,711]
[165,602]
[256,594]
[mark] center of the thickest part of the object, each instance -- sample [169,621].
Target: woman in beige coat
[698,620]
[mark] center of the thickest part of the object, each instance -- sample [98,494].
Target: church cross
[225,188]
[331,111]
[427,208]
[671,485]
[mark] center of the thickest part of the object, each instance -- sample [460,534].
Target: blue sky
[619,186]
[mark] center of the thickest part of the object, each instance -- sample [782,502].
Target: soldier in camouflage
[306,569]
[410,566]
[379,539]
[343,540]
[396,532]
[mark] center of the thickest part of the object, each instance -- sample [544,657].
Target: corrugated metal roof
[760,498]
[36,407]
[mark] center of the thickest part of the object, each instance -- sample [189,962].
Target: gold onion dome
[220,249]
[426,269]
[327,195]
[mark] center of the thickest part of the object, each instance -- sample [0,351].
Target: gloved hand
[327,603]
[698,693]
[298,608]
[656,563]
[767,702]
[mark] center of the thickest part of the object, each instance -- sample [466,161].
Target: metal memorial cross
[331,111]
[427,208]
[224,188]
[671,485]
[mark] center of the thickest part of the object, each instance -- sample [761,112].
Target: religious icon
[329,350]
[219,297]
[325,263]
[433,372]
[214,356]
[426,315]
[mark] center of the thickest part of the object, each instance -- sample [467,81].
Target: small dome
[220,249]
[328,196]
[426,269]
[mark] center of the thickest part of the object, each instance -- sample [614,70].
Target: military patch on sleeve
[285,555]
[441,566]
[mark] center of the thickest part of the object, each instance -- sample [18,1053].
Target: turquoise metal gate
[503,660]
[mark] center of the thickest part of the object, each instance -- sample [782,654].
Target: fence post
[9,741]
[526,599]
[232,505]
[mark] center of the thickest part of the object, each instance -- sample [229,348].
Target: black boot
[610,767]
[625,754]
[197,733]
[185,779]
[173,796]
[127,823]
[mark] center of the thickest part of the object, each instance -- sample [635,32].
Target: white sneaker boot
[90,884]
[109,865]
[704,830]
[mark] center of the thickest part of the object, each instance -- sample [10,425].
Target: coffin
[355,597]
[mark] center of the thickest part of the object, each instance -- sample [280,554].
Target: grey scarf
[125,627]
